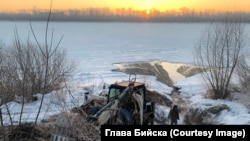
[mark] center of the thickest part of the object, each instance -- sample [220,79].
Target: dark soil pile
[159,98]
[28,131]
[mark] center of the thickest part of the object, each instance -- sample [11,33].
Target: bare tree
[28,68]
[55,67]
[219,50]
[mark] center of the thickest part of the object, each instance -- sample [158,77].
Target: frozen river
[96,46]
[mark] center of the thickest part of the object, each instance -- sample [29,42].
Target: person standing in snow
[173,115]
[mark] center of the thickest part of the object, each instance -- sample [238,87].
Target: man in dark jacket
[174,115]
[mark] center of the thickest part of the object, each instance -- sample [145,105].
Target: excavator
[125,103]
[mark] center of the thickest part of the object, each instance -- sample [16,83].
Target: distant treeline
[127,15]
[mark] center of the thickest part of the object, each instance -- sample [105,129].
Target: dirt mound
[188,70]
[159,98]
[28,131]
[164,72]
[75,126]
[196,116]
[79,129]
[146,68]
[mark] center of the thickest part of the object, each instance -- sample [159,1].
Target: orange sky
[218,5]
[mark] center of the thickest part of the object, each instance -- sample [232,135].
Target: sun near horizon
[143,5]
[148,11]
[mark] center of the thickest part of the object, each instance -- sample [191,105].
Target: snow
[96,53]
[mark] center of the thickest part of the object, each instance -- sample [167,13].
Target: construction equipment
[126,103]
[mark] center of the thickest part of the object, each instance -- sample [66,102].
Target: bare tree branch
[219,50]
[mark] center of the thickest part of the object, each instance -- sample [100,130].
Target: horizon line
[125,8]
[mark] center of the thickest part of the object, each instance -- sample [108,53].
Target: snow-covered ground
[192,90]
[97,46]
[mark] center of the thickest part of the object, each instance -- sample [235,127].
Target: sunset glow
[162,5]
[148,12]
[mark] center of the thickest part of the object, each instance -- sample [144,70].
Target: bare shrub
[73,126]
[219,50]
[26,66]
[30,67]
